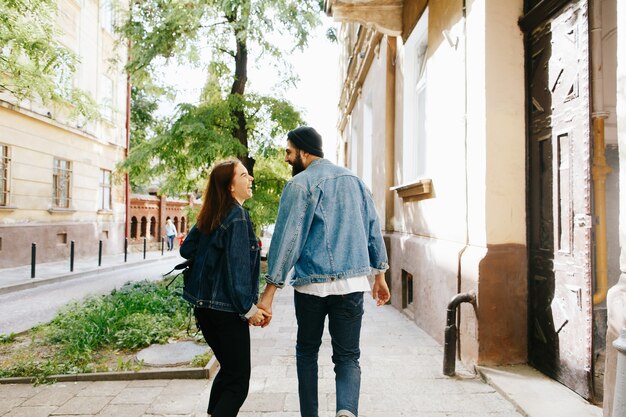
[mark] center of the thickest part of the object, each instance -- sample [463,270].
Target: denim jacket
[225,271]
[327,228]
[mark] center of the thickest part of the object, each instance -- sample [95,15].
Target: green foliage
[7,338]
[33,63]
[270,176]
[135,316]
[200,361]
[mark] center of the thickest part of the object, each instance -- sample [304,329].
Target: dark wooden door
[559,198]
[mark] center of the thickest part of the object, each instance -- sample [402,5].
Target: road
[21,310]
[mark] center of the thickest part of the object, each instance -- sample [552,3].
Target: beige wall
[36,133]
[616,299]
[470,234]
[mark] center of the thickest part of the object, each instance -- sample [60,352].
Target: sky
[316,94]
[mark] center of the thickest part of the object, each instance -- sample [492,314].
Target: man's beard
[297,166]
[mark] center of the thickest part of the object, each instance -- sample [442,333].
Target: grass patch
[100,333]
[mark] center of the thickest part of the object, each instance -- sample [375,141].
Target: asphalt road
[21,310]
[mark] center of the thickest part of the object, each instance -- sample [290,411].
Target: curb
[207,372]
[487,380]
[65,277]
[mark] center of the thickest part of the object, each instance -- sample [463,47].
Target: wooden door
[559,198]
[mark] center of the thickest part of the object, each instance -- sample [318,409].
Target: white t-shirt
[336,287]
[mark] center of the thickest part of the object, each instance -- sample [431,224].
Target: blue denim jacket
[327,228]
[225,271]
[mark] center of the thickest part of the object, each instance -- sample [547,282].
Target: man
[327,240]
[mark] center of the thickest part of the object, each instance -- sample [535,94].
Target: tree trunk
[239,86]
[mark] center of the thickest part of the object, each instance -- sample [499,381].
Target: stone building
[488,132]
[56,172]
[148,214]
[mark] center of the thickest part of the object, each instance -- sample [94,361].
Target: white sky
[315,95]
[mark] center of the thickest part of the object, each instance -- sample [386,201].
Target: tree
[33,63]
[230,121]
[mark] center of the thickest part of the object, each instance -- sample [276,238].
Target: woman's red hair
[217,197]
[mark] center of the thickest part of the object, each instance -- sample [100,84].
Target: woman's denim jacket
[225,271]
[327,228]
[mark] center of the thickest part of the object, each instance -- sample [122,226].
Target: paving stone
[43,411]
[83,405]
[50,397]
[173,404]
[103,389]
[7,404]
[18,390]
[125,410]
[141,395]
[171,354]
[265,402]
[148,383]
[185,387]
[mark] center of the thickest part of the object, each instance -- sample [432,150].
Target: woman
[223,283]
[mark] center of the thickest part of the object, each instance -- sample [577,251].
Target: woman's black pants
[229,338]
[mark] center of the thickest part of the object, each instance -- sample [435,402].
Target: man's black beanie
[307,139]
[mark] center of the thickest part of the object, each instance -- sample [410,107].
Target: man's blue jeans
[344,324]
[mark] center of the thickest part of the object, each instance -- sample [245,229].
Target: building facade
[487,131]
[57,172]
[148,214]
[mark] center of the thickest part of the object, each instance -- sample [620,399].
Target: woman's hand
[259,317]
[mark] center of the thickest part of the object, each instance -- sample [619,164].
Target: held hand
[259,317]
[267,309]
[380,290]
[266,302]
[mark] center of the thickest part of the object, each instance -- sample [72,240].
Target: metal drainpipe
[449,350]
[600,169]
[619,401]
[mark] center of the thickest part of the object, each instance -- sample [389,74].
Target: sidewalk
[401,377]
[19,278]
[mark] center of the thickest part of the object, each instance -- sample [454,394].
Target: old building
[487,132]
[148,214]
[56,172]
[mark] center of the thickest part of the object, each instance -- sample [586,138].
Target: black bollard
[99,253]
[72,256]
[162,243]
[125,249]
[144,248]
[33,257]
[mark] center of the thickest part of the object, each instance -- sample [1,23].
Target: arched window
[152,226]
[133,228]
[182,225]
[144,226]
[175,222]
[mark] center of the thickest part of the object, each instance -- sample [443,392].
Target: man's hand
[259,317]
[266,303]
[380,290]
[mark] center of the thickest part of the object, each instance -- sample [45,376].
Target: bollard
[99,253]
[72,256]
[33,257]
[619,400]
[125,249]
[162,243]
[144,248]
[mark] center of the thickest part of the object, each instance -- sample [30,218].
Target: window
[5,160]
[61,177]
[407,289]
[415,97]
[105,189]
[106,98]
[367,142]
[354,148]
[106,15]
